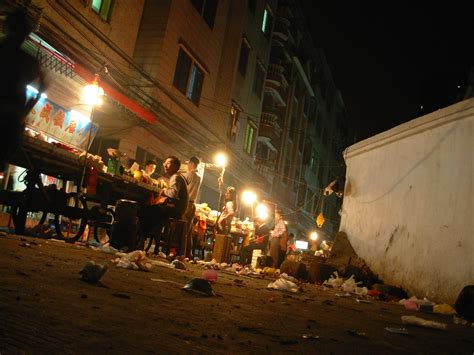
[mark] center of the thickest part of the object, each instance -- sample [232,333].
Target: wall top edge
[457,111]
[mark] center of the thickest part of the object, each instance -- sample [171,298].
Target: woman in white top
[228,211]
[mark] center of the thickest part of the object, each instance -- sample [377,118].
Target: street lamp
[313,236]
[262,211]
[249,197]
[220,160]
[91,95]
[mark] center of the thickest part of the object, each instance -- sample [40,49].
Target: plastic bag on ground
[283,284]
[334,281]
[135,260]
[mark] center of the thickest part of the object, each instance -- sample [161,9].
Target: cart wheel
[43,217]
[19,215]
[107,227]
[73,218]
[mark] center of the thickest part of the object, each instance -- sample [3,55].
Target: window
[235,124]
[103,8]
[207,9]
[100,146]
[140,156]
[267,22]
[259,79]
[188,77]
[249,135]
[244,56]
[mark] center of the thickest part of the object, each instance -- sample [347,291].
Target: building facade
[188,77]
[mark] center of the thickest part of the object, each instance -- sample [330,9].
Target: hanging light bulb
[92,93]
[320,220]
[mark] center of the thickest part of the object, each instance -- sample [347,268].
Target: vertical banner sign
[60,124]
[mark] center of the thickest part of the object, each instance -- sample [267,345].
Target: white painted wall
[408,205]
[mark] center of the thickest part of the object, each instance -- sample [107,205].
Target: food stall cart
[72,210]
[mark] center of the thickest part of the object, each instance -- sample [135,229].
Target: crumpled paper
[284,283]
[135,260]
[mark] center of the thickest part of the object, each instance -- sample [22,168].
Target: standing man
[194,182]
[18,69]
[278,239]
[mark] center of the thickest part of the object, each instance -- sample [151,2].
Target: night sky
[389,59]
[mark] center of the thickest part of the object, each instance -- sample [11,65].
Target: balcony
[281,29]
[270,128]
[276,80]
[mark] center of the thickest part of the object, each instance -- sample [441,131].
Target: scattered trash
[334,281]
[397,330]
[135,260]
[343,295]
[92,272]
[284,283]
[3,234]
[271,299]
[178,265]
[374,293]
[423,322]
[349,285]
[105,249]
[356,333]
[310,336]
[25,245]
[358,300]
[165,281]
[121,295]
[444,309]
[210,275]
[411,305]
[199,285]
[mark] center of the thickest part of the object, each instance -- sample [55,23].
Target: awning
[57,61]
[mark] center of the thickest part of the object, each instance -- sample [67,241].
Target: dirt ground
[46,308]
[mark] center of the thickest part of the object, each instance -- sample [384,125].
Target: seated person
[259,241]
[149,170]
[172,201]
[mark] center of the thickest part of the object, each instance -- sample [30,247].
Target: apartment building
[181,77]
[303,125]
[208,61]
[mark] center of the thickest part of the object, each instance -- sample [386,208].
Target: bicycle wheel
[103,226]
[71,220]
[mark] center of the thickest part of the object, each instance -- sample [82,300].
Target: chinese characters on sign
[67,127]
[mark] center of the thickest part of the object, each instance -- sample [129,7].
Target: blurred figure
[278,240]
[150,168]
[18,69]
[193,182]
[228,211]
